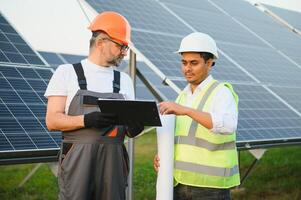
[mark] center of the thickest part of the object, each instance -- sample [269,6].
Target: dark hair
[206,56]
[95,34]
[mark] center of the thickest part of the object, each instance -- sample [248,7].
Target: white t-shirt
[99,79]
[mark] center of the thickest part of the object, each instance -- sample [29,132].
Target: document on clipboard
[145,112]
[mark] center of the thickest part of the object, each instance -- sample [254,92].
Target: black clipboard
[145,112]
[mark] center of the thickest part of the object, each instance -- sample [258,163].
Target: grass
[277,176]
[43,185]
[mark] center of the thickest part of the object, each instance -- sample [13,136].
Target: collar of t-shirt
[191,96]
[94,67]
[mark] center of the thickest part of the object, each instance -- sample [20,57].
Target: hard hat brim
[178,52]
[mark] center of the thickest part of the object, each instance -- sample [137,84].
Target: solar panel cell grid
[222,28]
[143,15]
[72,58]
[265,64]
[23,110]
[262,116]
[282,38]
[28,73]
[20,141]
[51,58]
[292,95]
[4,143]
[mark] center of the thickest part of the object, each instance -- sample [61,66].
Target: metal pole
[29,175]
[132,73]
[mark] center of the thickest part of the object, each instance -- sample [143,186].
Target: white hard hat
[198,42]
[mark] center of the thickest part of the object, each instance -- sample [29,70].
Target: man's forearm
[202,118]
[62,122]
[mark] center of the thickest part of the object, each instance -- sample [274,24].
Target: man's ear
[99,42]
[210,63]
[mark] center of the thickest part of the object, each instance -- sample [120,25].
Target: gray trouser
[185,192]
[93,171]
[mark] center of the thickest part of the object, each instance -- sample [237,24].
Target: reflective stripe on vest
[210,170]
[204,158]
[204,143]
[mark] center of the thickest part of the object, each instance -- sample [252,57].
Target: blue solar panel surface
[23,80]
[264,26]
[261,115]
[246,57]
[239,43]
[13,49]
[144,15]
[56,59]
[290,16]
[23,109]
[142,92]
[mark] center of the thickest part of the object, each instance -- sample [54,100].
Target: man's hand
[134,128]
[168,107]
[99,120]
[156,163]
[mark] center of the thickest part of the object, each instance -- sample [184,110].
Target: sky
[50,25]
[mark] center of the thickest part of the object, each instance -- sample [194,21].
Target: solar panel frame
[22,125]
[291,17]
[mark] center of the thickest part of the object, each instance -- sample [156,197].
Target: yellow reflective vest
[203,158]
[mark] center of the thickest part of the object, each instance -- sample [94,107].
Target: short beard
[115,61]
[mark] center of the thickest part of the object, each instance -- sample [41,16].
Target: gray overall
[93,162]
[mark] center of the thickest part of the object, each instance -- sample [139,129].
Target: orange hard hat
[114,24]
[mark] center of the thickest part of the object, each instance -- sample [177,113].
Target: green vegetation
[276,176]
[43,185]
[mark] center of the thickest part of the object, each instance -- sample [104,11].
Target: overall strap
[116,82]
[80,76]
[82,79]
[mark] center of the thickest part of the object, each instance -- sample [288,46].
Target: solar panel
[53,59]
[292,17]
[262,117]
[23,79]
[23,110]
[238,43]
[13,49]
[292,95]
[56,59]
[72,58]
[265,64]
[142,92]
[246,58]
[265,79]
[265,27]
[159,50]
[143,15]
[222,28]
